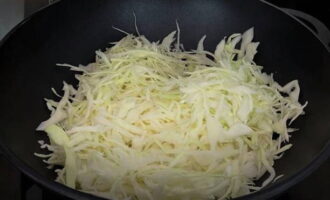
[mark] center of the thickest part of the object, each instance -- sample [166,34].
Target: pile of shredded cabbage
[150,120]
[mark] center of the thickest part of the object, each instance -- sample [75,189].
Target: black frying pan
[70,31]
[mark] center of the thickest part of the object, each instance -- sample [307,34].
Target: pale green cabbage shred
[151,121]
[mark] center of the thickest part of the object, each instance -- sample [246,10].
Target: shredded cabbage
[149,120]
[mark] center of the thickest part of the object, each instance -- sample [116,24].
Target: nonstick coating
[71,31]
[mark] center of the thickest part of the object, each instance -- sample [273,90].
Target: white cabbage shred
[149,120]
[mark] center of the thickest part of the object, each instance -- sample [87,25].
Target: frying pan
[70,31]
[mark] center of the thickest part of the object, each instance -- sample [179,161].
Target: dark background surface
[14,185]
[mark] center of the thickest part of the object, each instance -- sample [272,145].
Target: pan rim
[295,19]
[268,192]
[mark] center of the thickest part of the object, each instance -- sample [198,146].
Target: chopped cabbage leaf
[149,120]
